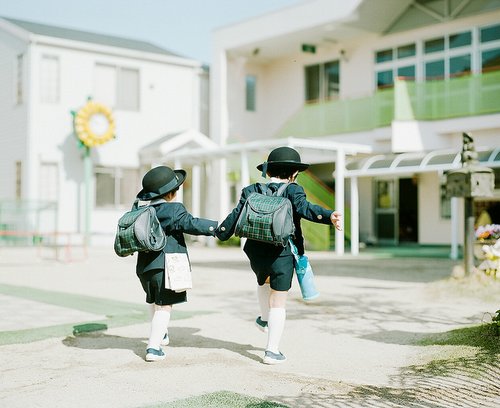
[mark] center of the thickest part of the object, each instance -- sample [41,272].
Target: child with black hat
[160,187]
[275,263]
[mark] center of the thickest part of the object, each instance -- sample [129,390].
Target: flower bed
[488,232]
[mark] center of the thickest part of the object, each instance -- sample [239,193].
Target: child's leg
[263,293]
[159,325]
[276,321]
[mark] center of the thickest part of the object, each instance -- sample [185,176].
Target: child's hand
[336,219]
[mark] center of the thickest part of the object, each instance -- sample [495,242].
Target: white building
[48,72]
[404,78]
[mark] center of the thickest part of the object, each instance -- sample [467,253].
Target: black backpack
[139,231]
[266,217]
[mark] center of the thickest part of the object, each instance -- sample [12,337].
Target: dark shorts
[153,283]
[278,269]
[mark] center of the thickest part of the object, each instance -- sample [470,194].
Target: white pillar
[245,174]
[339,198]
[180,193]
[245,179]
[223,200]
[354,216]
[196,191]
[219,130]
[454,228]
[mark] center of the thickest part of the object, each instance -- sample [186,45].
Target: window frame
[19,79]
[487,46]
[322,82]
[118,79]
[57,92]
[251,93]
[472,49]
[117,174]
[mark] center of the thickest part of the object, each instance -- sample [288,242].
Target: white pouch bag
[178,272]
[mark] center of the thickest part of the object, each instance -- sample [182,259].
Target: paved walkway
[369,340]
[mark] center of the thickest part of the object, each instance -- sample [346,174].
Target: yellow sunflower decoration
[94,124]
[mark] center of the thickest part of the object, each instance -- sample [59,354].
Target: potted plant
[485,235]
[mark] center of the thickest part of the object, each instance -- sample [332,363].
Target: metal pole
[87,163]
[354,216]
[454,228]
[339,198]
[468,235]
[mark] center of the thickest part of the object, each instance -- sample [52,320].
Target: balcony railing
[432,100]
[458,97]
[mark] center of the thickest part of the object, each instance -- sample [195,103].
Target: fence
[26,223]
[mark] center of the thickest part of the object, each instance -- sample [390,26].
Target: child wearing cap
[160,187]
[271,263]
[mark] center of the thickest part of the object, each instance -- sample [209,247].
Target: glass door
[386,211]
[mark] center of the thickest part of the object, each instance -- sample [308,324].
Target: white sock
[152,310]
[263,296]
[159,326]
[275,324]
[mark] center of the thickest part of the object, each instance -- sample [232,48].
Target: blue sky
[181,26]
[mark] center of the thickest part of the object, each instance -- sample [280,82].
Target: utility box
[470,181]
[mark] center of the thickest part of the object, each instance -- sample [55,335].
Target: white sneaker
[154,355]
[273,358]
[261,324]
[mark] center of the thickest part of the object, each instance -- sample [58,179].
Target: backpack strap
[265,189]
[282,189]
[135,206]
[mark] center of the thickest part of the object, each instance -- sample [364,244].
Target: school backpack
[139,231]
[266,217]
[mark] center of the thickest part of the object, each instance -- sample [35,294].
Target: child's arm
[227,227]
[188,224]
[307,210]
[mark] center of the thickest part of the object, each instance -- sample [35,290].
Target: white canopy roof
[404,163]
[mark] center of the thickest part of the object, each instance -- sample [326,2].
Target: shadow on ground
[464,382]
[392,269]
[181,337]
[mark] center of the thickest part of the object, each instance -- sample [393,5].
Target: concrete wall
[13,117]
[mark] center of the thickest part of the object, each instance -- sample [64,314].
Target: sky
[181,26]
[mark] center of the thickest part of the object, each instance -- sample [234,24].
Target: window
[250,92]
[490,48]
[117,87]
[434,45]
[395,62]
[434,69]
[49,79]
[406,51]
[444,201]
[312,83]
[127,92]
[490,60]
[49,179]
[407,72]
[332,79]
[439,58]
[491,33]
[448,56]
[19,175]
[460,65]
[115,187]
[383,56]
[385,79]
[460,40]
[19,79]
[322,81]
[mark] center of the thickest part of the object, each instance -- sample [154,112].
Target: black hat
[159,181]
[283,157]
